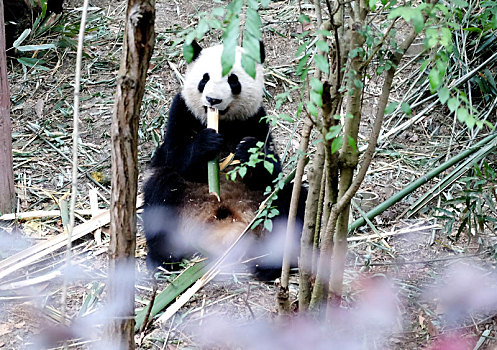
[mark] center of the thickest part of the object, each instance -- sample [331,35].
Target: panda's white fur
[232,107]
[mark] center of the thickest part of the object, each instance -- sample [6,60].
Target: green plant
[51,32]
[257,155]
[472,207]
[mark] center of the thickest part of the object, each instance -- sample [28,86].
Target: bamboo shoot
[213,165]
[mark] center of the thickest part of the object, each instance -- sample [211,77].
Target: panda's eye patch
[201,84]
[235,85]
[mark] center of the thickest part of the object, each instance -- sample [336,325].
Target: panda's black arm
[187,145]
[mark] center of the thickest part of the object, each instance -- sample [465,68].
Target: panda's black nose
[213,101]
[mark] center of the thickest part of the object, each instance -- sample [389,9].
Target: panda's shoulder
[179,113]
[178,106]
[256,120]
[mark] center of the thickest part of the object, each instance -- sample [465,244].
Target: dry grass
[41,113]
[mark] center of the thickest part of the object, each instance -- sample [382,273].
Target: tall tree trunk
[283,294]
[137,50]
[7,194]
[348,158]
[313,208]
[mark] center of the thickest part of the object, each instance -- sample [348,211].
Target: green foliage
[266,216]
[391,107]
[230,41]
[251,40]
[413,15]
[274,118]
[336,144]
[474,206]
[257,155]
[441,21]
[207,21]
[333,132]
[442,35]
[488,19]
[228,21]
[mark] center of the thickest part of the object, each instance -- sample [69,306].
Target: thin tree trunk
[7,193]
[137,50]
[283,301]
[336,278]
[349,157]
[313,208]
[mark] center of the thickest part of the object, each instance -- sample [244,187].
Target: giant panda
[180,217]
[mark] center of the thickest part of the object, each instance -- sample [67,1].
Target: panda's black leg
[158,255]
[272,246]
[164,246]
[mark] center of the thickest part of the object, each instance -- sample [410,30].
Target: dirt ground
[414,289]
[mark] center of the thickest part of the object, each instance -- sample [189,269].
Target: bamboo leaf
[460,3]
[40,47]
[230,38]
[268,225]
[406,108]
[249,66]
[21,37]
[242,171]
[253,23]
[202,28]
[303,18]
[33,63]
[322,63]
[188,52]
[443,94]
[316,98]
[316,85]
[311,108]
[391,107]
[453,103]
[462,114]
[336,144]
[269,166]
[218,12]
[333,132]
[322,45]
[435,79]
[286,117]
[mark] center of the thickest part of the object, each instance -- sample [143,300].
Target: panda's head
[237,95]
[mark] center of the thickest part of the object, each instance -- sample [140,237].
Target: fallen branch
[392,233]
[37,214]
[34,253]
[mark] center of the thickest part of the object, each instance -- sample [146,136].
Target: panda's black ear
[197,49]
[263,52]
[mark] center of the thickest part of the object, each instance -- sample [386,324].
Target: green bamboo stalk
[213,177]
[421,181]
[449,179]
[175,288]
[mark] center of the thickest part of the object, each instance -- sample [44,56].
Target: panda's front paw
[209,142]
[242,150]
